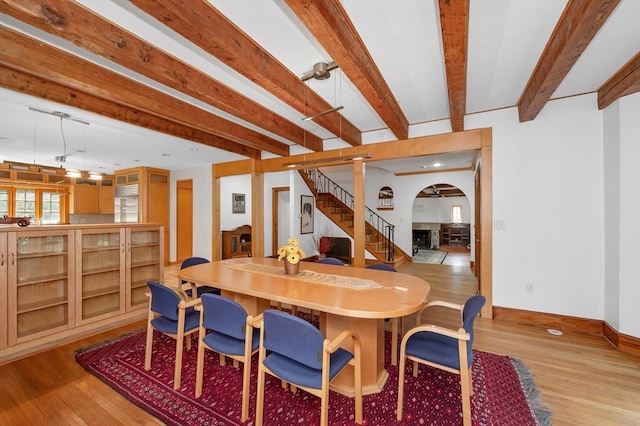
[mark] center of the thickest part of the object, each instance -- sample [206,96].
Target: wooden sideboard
[58,282]
[455,234]
[236,242]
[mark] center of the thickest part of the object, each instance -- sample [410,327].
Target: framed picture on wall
[306,216]
[237,203]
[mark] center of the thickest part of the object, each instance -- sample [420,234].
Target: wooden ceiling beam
[203,25]
[454,21]
[577,26]
[69,70]
[624,82]
[28,84]
[329,23]
[81,26]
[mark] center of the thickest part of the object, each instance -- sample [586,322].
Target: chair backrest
[381,267]
[293,337]
[191,261]
[469,313]
[223,315]
[164,300]
[331,261]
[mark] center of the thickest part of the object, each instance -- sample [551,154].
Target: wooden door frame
[178,209]
[275,191]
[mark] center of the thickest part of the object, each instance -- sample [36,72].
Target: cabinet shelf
[144,264]
[31,307]
[104,249]
[42,279]
[101,292]
[96,271]
[33,254]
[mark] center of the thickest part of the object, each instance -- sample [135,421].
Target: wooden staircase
[376,243]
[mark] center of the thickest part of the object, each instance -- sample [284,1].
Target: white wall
[549,181]
[547,186]
[622,214]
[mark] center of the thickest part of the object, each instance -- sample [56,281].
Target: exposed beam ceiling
[212,72]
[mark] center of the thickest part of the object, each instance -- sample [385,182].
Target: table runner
[311,276]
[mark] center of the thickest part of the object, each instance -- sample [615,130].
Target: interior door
[184,219]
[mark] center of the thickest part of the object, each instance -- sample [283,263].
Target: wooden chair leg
[200,369]
[178,370]
[401,368]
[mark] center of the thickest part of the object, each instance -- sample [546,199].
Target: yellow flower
[291,252]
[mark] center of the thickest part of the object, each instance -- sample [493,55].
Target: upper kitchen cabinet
[142,196]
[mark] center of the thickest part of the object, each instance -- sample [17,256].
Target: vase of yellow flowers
[291,254]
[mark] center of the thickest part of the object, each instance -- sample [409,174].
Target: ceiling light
[311,117]
[73,173]
[326,161]
[437,164]
[95,176]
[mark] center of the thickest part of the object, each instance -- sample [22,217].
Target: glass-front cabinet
[61,281]
[40,283]
[100,275]
[144,263]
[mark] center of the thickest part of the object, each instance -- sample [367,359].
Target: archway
[441,217]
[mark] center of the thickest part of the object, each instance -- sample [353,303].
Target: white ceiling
[506,39]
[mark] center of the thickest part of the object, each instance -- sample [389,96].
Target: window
[41,204]
[50,207]
[456,214]
[26,202]
[4,202]
[385,198]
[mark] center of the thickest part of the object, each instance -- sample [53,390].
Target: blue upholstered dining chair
[397,324]
[442,348]
[381,267]
[331,261]
[295,352]
[171,313]
[226,328]
[187,287]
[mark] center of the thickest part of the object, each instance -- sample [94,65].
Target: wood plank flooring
[583,379]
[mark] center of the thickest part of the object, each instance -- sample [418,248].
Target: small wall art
[237,202]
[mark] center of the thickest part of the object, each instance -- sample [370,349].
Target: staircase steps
[342,215]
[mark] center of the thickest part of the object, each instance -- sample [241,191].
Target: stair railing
[324,185]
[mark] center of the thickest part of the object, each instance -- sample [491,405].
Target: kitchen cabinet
[153,195]
[90,196]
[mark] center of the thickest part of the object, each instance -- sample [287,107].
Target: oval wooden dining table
[348,298]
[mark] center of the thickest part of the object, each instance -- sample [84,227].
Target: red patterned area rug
[504,393]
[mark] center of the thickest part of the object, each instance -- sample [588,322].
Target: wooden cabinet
[236,242]
[4,260]
[106,197]
[153,195]
[40,284]
[100,274]
[90,196]
[144,263]
[455,234]
[60,281]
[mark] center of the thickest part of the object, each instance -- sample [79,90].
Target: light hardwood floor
[582,379]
